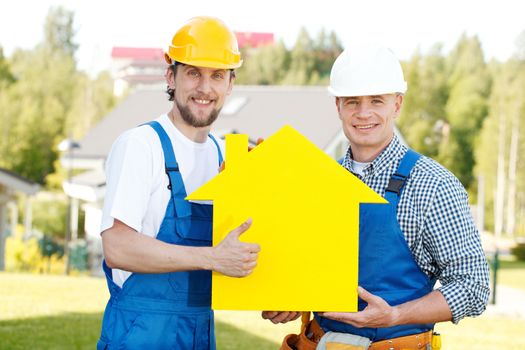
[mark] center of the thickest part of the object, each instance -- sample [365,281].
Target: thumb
[365,295]
[238,231]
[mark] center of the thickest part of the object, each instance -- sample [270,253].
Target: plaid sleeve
[454,242]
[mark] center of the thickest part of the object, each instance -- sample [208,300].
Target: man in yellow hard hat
[157,245]
[424,234]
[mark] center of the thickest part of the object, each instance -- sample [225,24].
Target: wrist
[396,317]
[207,258]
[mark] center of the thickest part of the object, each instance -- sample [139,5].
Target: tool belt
[311,333]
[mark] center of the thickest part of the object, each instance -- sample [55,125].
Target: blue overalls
[166,310]
[386,265]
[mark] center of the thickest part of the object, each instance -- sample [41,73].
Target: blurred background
[75,74]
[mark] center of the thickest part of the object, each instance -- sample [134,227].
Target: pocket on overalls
[197,232]
[152,331]
[194,231]
[123,324]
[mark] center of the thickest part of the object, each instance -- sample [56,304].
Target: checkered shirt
[435,217]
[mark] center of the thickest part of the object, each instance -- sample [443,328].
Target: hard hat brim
[367,92]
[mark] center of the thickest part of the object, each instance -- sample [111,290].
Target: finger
[287,317]
[338,316]
[280,317]
[269,314]
[365,295]
[252,247]
[292,316]
[238,231]
[223,166]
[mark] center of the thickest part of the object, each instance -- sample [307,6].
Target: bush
[33,254]
[519,251]
[22,255]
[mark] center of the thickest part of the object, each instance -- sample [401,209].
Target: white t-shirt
[136,182]
[359,167]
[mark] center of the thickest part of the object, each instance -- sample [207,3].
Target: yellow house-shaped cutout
[305,212]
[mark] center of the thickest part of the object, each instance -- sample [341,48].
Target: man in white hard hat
[426,232]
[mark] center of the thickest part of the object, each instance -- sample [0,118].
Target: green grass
[65,313]
[511,273]
[57,312]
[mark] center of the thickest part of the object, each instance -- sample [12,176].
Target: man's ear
[232,80]
[338,106]
[170,77]
[398,104]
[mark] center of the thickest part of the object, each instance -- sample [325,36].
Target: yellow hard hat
[205,42]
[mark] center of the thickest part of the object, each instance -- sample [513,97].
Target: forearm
[431,308]
[131,251]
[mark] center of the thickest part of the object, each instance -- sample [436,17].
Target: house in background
[133,67]
[12,184]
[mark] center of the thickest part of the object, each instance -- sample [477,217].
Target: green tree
[49,100]
[506,119]
[6,77]
[302,62]
[326,48]
[265,65]
[38,103]
[308,62]
[423,114]
[466,108]
[59,32]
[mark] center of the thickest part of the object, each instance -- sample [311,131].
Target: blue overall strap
[218,148]
[170,162]
[172,167]
[398,180]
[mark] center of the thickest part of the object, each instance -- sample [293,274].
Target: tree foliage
[423,115]
[45,99]
[308,62]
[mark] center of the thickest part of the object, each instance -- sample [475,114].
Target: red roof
[254,39]
[137,53]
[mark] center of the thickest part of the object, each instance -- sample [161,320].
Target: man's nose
[363,110]
[204,85]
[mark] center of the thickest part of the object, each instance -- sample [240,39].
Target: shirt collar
[394,150]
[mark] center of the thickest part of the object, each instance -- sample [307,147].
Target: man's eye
[193,73]
[218,76]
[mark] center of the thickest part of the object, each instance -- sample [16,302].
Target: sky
[402,25]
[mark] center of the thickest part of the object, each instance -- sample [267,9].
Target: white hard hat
[366,71]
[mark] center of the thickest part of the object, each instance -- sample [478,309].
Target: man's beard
[190,118]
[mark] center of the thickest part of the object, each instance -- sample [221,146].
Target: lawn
[511,273]
[57,312]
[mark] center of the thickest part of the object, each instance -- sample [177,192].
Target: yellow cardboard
[305,212]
